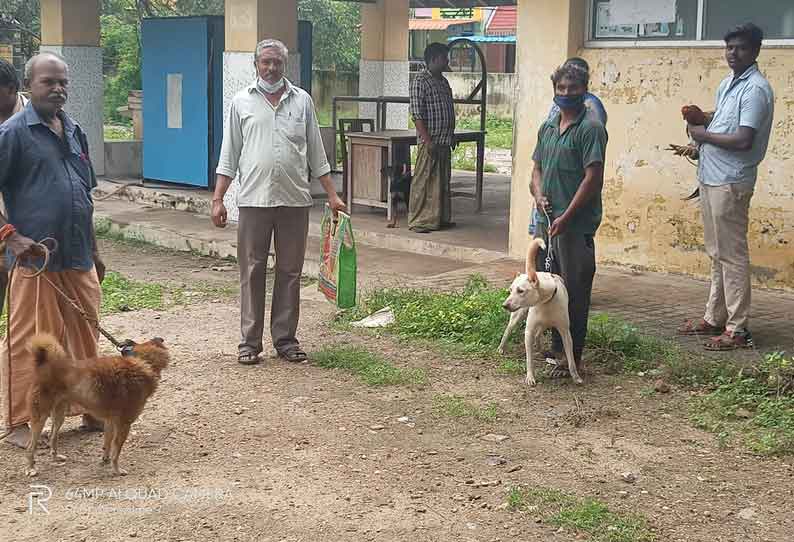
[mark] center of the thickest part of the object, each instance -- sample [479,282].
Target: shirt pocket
[727,118]
[294,129]
[569,158]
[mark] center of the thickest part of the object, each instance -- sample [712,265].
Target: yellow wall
[384,30]
[250,21]
[70,22]
[645,222]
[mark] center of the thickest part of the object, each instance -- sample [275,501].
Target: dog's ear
[158,341]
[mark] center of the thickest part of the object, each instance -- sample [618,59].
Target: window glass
[775,17]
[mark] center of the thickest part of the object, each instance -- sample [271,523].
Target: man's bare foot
[91,424]
[20,437]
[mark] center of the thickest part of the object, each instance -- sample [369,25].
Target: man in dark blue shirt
[46,179]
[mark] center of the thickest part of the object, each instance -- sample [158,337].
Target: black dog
[400,189]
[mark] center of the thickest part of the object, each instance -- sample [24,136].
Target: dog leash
[125,347]
[39,273]
[549,246]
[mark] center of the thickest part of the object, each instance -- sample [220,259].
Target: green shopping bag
[338,265]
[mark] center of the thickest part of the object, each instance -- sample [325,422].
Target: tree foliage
[336,33]
[336,36]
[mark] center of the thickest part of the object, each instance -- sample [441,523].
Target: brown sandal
[730,341]
[699,326]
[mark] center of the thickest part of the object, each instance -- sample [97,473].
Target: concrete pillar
[71,29]
[549,32]
[384,66]
[247,23]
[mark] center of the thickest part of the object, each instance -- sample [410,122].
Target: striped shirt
[431,102]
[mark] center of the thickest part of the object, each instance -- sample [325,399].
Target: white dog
[542,299]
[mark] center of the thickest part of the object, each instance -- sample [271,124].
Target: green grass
[120,294]
[500,131]
[471,322]
[454,406]
[589,516]
[464,157]
[103,228]
[370,368]
[472,319]
[749,407]
[118,133]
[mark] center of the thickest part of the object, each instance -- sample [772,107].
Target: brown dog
[113,389]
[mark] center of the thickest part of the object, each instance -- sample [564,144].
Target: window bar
[701,15]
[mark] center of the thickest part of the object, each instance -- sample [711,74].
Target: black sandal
[293,354]
[248,358]
[559,371]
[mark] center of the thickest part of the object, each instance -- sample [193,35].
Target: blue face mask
[569,102]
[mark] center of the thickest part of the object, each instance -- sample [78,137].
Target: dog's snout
[506,306]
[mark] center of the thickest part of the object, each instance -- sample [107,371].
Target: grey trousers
[289,227]
[574,261]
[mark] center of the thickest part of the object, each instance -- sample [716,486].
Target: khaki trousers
[289,227]
[725,220]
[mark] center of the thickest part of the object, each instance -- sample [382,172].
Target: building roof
[459,3]
[437,24]
[503,21]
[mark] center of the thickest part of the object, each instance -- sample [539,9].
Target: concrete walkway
[655,302]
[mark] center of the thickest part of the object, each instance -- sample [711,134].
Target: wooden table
[372,155]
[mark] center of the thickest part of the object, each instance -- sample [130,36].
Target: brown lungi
[34,306]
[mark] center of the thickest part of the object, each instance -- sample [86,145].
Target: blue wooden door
[176,100]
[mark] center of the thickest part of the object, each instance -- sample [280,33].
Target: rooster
[692,114]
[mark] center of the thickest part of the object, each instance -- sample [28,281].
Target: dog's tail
[45,349]
[532,255]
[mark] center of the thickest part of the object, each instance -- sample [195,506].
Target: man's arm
[536,183]
[229,159]
[19,245]
[754,108]
[593,146]
[318,161]
[419,111]
[424,135]
[591,185]
[98,263]
[740,140]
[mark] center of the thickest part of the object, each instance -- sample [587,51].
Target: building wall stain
[646,222]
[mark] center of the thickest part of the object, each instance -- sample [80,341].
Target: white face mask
[270,88]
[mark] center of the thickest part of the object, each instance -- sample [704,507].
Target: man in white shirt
[272,143]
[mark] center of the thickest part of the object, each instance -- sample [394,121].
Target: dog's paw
[58,458]
[31,472]
[501,350]
[530,381]
[578,380]
[105,461]
[119,472]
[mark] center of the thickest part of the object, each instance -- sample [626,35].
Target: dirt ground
[282,452]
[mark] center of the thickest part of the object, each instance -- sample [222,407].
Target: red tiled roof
[436,24]
[503,22]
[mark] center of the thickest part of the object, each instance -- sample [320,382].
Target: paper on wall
[641,11]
